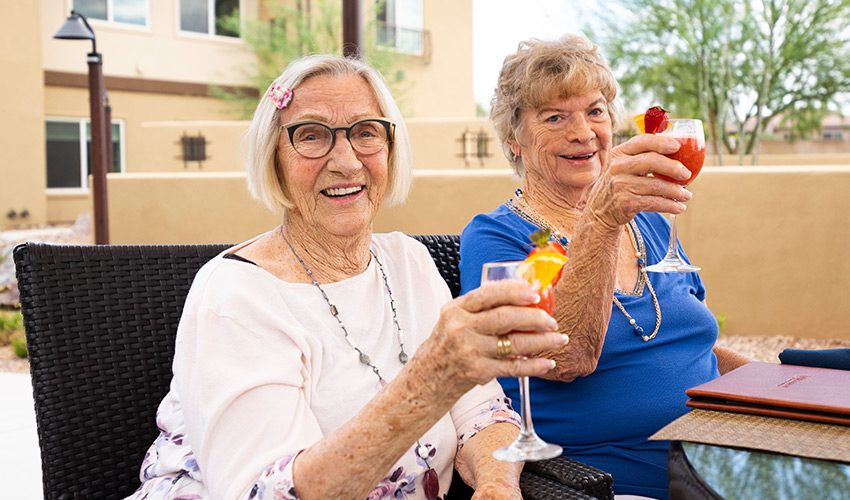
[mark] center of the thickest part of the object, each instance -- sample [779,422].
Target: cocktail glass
[528,446]
[691,154]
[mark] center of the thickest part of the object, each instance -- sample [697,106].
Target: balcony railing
[404,40]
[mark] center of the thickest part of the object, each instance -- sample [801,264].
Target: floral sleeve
[275,481]
[471,419]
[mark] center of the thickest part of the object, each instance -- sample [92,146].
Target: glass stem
[673,248]
[526,427]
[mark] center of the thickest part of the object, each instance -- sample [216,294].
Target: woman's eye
[596,112]
[553,119]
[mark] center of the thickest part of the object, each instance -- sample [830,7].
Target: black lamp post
[77,28]
[352,28]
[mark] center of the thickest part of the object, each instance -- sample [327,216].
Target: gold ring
[503,347]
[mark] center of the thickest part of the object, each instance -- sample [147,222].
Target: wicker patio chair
[100,324]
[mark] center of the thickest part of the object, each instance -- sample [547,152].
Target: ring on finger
[503,347]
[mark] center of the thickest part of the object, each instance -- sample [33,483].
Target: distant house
[159,59]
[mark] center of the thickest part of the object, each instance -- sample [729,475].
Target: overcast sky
[499,25]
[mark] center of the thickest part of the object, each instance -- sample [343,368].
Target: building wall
[157,52]
[768,240]
[22,150]
[157,77]
[443,83]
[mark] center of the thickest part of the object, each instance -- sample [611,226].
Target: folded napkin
[838,359]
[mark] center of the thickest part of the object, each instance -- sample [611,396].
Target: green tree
[736,62]
[296,31]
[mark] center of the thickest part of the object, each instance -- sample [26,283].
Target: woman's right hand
[626,188]
[462,350]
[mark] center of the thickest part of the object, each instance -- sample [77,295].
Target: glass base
[672,265]
[528,448]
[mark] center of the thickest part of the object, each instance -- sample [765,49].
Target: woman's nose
[579,130]
[342,156]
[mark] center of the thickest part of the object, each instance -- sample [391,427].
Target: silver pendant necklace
[430,480]
[524,210]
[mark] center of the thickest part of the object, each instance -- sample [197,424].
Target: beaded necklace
[521,207]
[430,480]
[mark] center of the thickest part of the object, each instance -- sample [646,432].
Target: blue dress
[604,419]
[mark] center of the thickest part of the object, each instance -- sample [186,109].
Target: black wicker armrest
[576,475]
[536,487]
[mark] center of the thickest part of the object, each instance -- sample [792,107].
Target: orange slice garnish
[639,121]
[541,268]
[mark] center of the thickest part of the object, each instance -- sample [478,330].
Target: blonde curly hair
[543,70]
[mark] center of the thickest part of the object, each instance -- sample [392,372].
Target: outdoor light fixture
[77,28]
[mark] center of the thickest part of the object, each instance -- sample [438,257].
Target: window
[67,152]
[194,149]
[400,25]
[116,11]
[211,17]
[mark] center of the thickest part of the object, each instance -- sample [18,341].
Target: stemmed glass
[691,154]
[528,446]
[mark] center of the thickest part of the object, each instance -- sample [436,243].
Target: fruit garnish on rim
[653,121]
[545,262]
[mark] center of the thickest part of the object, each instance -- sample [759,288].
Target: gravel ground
[768,348]
[759,348]
[78,233]
[11,363]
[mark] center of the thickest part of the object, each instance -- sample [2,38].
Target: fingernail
[553,325]
[682,206]
[565,339]
[536,299]
[686,195]
[551,364]
[684,174]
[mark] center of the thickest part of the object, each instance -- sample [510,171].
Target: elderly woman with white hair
[320,360]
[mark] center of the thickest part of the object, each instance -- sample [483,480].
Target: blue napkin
[838,359]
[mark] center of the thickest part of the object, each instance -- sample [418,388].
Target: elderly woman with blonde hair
[319,360]
[637,340]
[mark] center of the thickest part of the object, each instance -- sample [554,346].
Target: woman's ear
[516,149]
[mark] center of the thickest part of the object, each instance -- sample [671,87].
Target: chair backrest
[100,324]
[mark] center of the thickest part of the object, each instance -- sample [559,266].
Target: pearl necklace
[430,480]
[521,207]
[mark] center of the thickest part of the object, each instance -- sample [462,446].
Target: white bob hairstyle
[259,143]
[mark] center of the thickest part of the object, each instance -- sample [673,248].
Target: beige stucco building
[159,59]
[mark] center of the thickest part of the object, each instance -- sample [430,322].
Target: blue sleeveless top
[605,418]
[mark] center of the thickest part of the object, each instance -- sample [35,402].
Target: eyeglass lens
[315,140]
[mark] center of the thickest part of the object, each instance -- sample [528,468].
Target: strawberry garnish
[655,120]
[542,243]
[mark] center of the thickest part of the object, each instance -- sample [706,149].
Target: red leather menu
[777,390]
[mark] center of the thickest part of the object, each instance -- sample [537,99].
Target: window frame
[82,125]
[210,34]
[391,15]
[110,17]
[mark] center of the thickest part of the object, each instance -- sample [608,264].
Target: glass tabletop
[746,474]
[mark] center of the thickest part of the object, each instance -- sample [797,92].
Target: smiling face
[564,145]
[341,192]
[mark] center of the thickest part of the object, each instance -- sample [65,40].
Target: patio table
[742,456]
[741,473]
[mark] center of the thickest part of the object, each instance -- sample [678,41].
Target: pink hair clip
[281,96]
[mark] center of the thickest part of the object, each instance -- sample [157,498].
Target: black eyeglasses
[315,139]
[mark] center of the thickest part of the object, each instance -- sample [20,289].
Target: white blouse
[262,370]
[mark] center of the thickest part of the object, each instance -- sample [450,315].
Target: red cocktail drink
[691,154]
